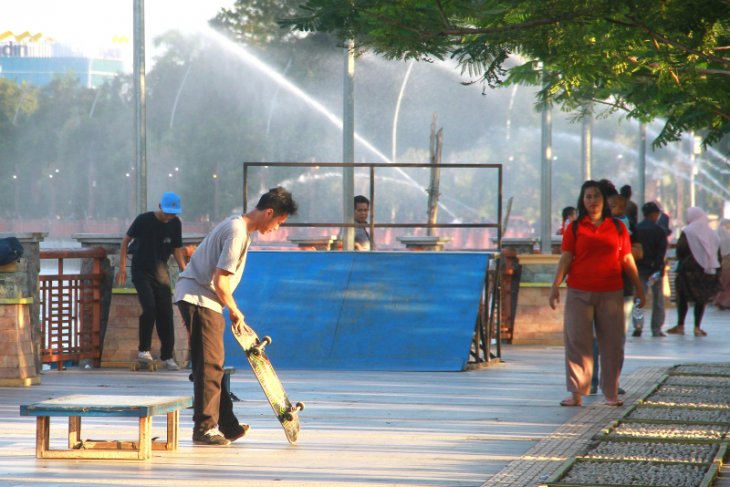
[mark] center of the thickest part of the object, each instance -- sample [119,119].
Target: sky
[90,25]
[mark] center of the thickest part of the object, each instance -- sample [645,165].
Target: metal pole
[348,146]
[140,116]
[641,190]
[546,183]
[586,142]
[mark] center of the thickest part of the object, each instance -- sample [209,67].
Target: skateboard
[285,411]
[142,364]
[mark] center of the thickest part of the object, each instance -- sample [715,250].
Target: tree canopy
[666,59]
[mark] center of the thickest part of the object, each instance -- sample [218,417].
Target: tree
[664,59]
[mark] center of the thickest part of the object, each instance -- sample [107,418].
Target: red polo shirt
[597,254]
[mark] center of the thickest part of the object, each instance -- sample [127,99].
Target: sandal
[571,402]
[616,403]
[699,332]
[676,330]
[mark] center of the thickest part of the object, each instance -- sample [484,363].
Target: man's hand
[237,321]
[121,279]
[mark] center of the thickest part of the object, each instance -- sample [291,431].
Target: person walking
[568,216]
[595,251]
[697,260]
[722,300]
[155,235]
[632,210]
[653,241]
[204,289]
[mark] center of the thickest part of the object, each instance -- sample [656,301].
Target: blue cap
[170,203]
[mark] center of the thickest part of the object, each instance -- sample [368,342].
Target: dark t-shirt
[653,239]
[153,244]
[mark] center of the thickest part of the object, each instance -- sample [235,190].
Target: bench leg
[173,422]
[145,438]
[42,434]
[74,431]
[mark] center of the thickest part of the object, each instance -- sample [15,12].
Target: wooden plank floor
[359,428]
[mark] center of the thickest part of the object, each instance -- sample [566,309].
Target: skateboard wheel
[300,406]
[266,341]
[289,416]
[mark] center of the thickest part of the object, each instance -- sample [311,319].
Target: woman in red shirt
[594,252]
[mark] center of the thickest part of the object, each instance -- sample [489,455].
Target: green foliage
[652,59]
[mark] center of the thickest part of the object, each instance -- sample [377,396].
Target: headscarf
[703,242]
[724,236]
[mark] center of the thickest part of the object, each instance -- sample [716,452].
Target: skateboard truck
[289,415]
[260,345]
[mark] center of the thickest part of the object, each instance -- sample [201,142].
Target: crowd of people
[610,262]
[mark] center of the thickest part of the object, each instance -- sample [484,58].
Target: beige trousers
[583,310]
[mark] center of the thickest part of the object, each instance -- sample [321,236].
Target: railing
[70,308]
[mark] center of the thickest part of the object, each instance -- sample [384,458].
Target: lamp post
[140,116]
[348,145]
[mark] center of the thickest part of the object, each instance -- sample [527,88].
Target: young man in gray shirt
[203,290]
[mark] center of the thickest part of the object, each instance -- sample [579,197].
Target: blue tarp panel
[362,310]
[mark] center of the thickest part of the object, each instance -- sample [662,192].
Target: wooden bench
[80,405]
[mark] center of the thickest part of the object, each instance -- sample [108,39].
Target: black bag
[10,250]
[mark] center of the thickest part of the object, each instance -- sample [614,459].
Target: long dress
[692,281]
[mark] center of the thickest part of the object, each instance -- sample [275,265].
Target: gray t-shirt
[225,247]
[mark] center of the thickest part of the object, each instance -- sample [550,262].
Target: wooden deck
[359,428]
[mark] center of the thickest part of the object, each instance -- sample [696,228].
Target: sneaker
[170,364]
[145,356]
[240,434]
[621,391]
[210,437]
[594,390]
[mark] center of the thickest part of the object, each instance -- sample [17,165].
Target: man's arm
[222,284]
[122,272]
[179,254]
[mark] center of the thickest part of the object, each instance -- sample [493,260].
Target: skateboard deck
[284,410]
[141,364]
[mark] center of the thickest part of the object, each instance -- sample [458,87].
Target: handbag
[10,250]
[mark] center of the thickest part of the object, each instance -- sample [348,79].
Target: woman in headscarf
[722,300]
[595,250]
[697,280]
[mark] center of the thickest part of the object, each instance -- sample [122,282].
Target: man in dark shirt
[156,235]
[653,239]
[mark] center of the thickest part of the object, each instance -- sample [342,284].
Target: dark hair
[567,211]
[626,191]
[361,199]
[278,199]
[603,188]
[607,189]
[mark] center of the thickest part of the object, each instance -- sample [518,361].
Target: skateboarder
[203,290]
[155,235]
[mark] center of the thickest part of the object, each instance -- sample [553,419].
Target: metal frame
[372,166]
[488,317]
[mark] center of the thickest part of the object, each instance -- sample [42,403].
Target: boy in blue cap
[156,235]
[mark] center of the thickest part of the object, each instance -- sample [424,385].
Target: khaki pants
[583,310]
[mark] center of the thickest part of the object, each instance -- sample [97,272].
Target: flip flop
[616,403]
[570,402]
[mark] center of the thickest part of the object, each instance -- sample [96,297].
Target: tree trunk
[435,159]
